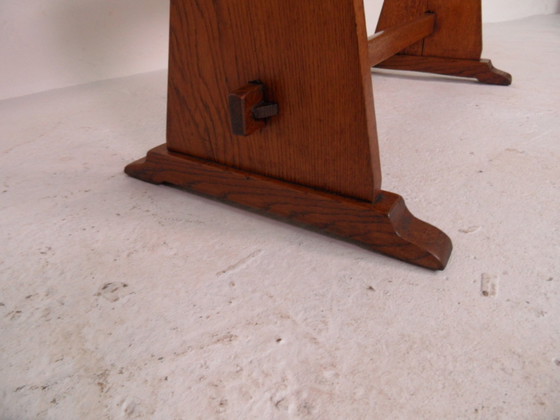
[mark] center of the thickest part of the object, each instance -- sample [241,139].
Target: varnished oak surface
[385,226]
[312,56]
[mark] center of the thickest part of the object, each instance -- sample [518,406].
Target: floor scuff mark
[239,264]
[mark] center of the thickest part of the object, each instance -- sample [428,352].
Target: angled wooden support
[455,46]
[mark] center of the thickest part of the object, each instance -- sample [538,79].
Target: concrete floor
[124,300]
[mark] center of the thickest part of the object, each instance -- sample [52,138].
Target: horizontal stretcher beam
[389,42]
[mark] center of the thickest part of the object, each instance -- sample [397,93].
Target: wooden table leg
[454,48]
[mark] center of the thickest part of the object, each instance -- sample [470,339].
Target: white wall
[47,44]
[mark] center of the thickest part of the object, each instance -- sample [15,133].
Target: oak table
[270,107]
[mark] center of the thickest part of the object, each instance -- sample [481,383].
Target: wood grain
[313,58]
[385,225]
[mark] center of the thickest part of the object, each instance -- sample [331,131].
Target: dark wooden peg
[265,110]
[249,110]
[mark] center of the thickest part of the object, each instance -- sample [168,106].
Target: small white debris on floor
[489,284]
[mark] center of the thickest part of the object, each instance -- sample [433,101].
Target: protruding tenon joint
[249,110]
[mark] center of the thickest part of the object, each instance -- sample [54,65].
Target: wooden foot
[384,225]
[482,70]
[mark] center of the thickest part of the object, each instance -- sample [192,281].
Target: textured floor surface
[124,300]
